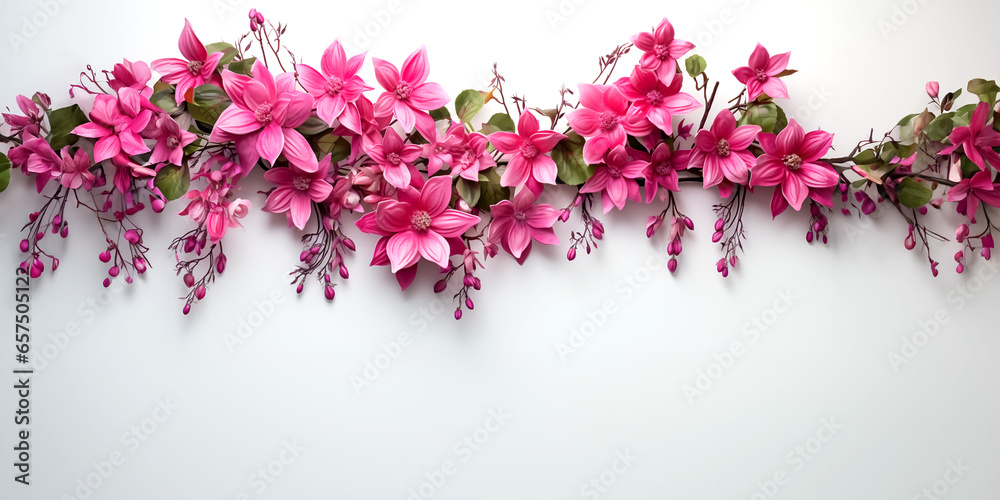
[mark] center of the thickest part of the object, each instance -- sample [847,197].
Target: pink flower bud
[909,242]
[33,216]
[809,237]
[329,292]
[260,18]
[344,273]
[719,224]
[689,223]
[564,216]
[716,236]
[39,235]
[961,233]
[57,220]
[299,288]
[24,245]
[253,25]
[725,272]
[220,264]
[932,89]
[199,293]
[107,282]
[189,280]
[157,205]
[131,236]
[440,286]
[959,255]
[959,268]
[720,265]
[349,243]
[672,265]
[458,313]
[104,256]
[468,303]
[253,14]
[571,254]
[140,265]
[64,232]
[187,309]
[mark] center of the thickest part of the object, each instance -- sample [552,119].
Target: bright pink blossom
[978,139]
[196,70]
[170,141]
[337,87]
[969,192]
[439,148]
[529,163]
[516,223]
[262,119]
[396,158]
[661,50]
[296,191]
[72,170]
[661,168]
[615,179]
[761,74]
[791,161]
[224,216]
[134,75]
[27,124]
[656,100]
[116,124]
[408,96]
[721,152]
[469,156]
[605,121]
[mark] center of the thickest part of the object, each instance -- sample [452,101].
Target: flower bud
[220,264]
[24,245]
[343,272]
[932,89]
[440,286]
[104,256]
[199,293]
[909,242]
[131,236]
[960,234]
[571,254]
[189,280]
[672,265]
[329,292]
[468,303]
[187,309]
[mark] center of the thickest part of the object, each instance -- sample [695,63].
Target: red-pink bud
[107,282]
[349,243]
[24,245]
[571,254]
[909,242]
[299,288]
[458,313]
[64,232]
[716,236]
[199,293]
[468,303]
[220,264]
[113,272]
[440,286]
[932,89]
[189,280]
[131,236]
[187,309]
[329,292]
[719,224]
[104,256]
[672,265]
[961,233]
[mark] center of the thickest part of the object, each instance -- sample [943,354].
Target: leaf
[338,147]
[209,102]
[939,128]
[242,66]
[468,190]
[986,90]
[228,52]
[491,192]
[164,99]
[314,125]
[912,193]
[500,122]
[695,65]
[468,103]
[782,120]
[949,99]
[441,113]
[763,115]
[568,155]
[787,72]
[62,121]
[4,172]
[866,157]
[906,119]
[173,181]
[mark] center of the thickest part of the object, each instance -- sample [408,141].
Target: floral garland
[432,188]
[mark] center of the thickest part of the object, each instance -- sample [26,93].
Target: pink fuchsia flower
[615,179]
[408,96]
[196,70]
[791,160]
[296,191]
[761,74]
[116,124]
[134,75]
[661,168]
[170,141]
[605,121]
[418,225]
[72,170]
[225,215]
[35,155]
[396,159]
[529,147]
[516,223]
[263,117]
[721,152]
[28,123]
[469,156]
[969,192]
[977,140]
[661,50]
[439,148]
[337,88]
[655,100]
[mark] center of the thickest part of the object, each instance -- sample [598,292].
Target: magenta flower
[418,225]
[655,100]
[761,74]
[296,191]
[661,50]
[170,141]
[791,160]
[470,156]
[615,179]
[515,224]
[263,117]
[721,152]
[408,96]
[134,75]
[977,140]
[969,192]
[116,124]
[438,149]
[72,170]
[396,159]
[661,169]
[529,162]
[196,70]
[223,216]
[27,124]
[605,121]
[337,87]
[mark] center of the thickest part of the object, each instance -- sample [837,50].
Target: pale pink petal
[777,64]
[436,195]
[270,142]
[759,58]
[544,170]
[814,145]
[506,142]
[453,223]
[416,68]
[298,151]
[817,175]
[795,191]
[386,74]
[545,140]
[433,247]
[312,80]
[429,96]
[769,171]
[106,147]
[190,46]
[394,216]
[516,173]
[775,88]
[518,237]
[333,60]
[236,121]
[584,121]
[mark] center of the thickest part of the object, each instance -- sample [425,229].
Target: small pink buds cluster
[256,19]
[818,224]
[674,247]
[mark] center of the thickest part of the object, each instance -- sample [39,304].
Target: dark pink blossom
[761,74]
[661,50]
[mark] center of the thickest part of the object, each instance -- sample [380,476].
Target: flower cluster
[437,185]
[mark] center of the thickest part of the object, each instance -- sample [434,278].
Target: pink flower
[791,160]
[407,95]
[761,74]
[721,152]
[605,121]
[932,89]
[529,162]
[516,223]
[29,122]
[977,140]
[396,159]
[296,191]
[418,225]
[134,75]
[170,141]
[661,50]
[656,100]
[337,87]
[615,179]
[661,168]
[188,74]
[72,170]
[223,216]
[438,149]
[263,117]
[35,156]
[116,124]
[470,156]
[969,192]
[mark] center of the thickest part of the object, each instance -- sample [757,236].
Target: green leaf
[62,121]
[491,192]
[314,125]
[763,115]
[209,102]
[173,181]
[228,52]
[963,115]
[986,90]
[568,155]
[338,147]
[468,190]
[906,119]
[695,65]
[949,99]
[939,128]
[468,103]
[4,172]
[500,122]
[782,120]
[913,194]
[968,167]
[888,153]
[441,113]
[866,157]
[242,66]
[164,99]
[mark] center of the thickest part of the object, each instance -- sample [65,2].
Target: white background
[825,358]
